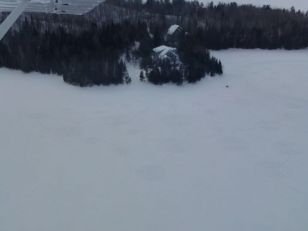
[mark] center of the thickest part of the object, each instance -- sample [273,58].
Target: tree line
[91,57]
[229,25]
[91,50]
[95,55]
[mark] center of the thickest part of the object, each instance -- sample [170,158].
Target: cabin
[173,34]
[165,52]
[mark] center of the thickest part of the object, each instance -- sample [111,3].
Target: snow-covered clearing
[146,158]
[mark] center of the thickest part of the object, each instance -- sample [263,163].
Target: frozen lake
[146,158]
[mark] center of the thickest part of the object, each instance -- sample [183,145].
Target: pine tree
[142,77]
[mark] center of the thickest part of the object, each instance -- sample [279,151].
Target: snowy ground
[146,158]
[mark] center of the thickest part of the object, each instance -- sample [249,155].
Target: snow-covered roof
[172,29]
[162,51]
[77,7]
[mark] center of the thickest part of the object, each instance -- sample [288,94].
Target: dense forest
[92,57]
[94,49]
[230,25]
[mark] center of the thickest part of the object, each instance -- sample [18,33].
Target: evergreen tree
[142,76]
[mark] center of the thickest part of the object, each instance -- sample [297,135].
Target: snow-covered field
[147,158]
